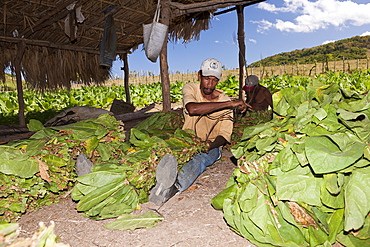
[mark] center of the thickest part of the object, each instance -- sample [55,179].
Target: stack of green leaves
[37,171]
[44,237]
[303,179]
[116,187]
[249,118]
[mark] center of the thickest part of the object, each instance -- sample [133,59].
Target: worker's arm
[196,109]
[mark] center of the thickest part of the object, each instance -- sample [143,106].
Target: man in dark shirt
[258,96]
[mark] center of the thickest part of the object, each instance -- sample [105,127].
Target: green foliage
[148,219]
[44,106]
[276,83]
[352,48]
[303,177]
[44,237]
[357,81]
[35,172]
[117,186]
[229,86]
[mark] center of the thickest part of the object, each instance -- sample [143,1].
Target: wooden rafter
[182,9]
[53,16]
[48,44]
[234,8]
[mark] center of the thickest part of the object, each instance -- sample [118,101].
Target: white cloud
[218,42]
[328,41]
[314,15]
[365,34]
[253,41]
[263,25]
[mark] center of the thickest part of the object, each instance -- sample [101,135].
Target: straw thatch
[53,59]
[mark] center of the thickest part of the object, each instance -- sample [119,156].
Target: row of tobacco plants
[45,105]
[302,178]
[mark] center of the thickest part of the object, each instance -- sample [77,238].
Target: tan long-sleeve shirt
[209,126]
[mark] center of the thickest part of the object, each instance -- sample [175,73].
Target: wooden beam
[114,10]
[133,116]
[59,12]
[234,8]
[137,114]
[48,44]
[94,23]
[182,9]
[123,7]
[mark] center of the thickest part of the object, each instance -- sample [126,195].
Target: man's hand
[218,142]
[241,105]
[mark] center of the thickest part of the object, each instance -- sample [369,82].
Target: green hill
[357,47]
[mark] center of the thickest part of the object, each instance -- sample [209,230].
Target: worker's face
[208,84]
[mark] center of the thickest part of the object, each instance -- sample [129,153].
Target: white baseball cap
[211,67]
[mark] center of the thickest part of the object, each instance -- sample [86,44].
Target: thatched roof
[52,59]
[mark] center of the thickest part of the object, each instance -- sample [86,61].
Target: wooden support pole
[126,71]
[165,79]
[241,37]
[18,66]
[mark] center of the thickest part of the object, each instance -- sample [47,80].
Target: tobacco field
[302,177]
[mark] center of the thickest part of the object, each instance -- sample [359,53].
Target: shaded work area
[51,44]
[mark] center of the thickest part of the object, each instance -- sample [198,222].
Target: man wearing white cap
[208,112]
[258,96]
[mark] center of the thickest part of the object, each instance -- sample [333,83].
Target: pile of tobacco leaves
[303,178]
[44,237]
[38,171]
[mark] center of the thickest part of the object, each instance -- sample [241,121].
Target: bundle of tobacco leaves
[303,178]
[44,237]
[249,118]
[38,171]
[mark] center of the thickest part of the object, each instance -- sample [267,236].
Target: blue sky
[271,27]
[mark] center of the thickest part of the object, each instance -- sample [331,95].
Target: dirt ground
[189,219]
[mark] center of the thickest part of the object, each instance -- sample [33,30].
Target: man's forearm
[196,109]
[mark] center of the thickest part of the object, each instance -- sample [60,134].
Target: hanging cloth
[154,35]
[73,18]
[108,47]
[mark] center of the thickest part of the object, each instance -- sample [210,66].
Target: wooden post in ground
[126,78]
[165,79]
[344,66]
[240,12]
[18,65]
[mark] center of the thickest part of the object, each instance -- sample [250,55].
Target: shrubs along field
[45,105]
